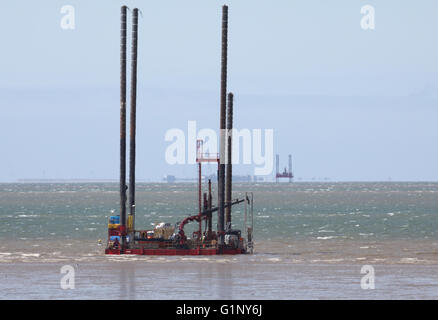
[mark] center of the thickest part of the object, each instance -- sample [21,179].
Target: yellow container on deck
[130,223]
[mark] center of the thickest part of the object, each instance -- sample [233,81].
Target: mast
[199,201]
[123,126]
[223,93]
[132,145]
[229,165]
[210,205]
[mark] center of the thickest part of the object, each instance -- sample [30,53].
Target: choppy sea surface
[311,241]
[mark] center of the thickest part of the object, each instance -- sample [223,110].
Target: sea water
[311,241]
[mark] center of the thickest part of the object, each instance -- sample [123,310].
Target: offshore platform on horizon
[286,173]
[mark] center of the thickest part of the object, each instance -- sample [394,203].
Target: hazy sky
[348,104]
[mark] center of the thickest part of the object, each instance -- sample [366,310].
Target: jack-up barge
[165,238]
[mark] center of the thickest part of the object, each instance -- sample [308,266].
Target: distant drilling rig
[286,173]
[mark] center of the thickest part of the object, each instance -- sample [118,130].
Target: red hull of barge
[175,252]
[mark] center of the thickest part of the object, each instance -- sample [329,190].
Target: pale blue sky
[348,104]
